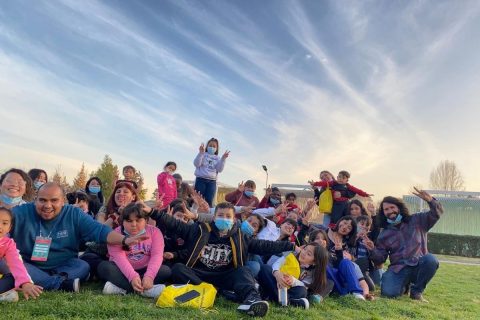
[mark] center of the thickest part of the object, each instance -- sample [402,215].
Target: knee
[430,260]
[390,287]
[178,268]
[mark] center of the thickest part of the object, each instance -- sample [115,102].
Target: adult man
[48,234]
[218,253]
[404,240]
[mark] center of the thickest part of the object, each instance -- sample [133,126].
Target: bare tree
[446,176]
[60,178]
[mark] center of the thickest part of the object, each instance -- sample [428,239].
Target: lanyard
[40,225]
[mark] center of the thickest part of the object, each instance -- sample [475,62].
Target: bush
[449,244]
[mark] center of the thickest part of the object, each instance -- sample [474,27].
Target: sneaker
[70,285]
[300,303]
[315,298]
[358,296]
[254,306]
[230,295]
[418,297]
[9,296]
[110,288]
[154,292]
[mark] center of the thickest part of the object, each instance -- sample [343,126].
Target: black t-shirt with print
[216,255]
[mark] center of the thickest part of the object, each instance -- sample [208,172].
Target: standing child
[18,279]
[207,166]
[166,183]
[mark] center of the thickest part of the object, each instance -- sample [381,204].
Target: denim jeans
[7,282]
[207,189]
[393,284]
[345,278]
[52,278]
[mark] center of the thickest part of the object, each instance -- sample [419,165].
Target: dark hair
[290,195]
[250,184]
[319,277]
[177,208]
[131,208]
[100,194]
[214,140]
[352,236]
[35,173]
[326,171]
[359,203]
[79,195]
[29,192]
[9,212]
[313,235]
[224,205]
[111,205]
[170,163]
[177,176]
[261,221]
[344,173]
[367,219]
[294,223]
[127,167]
[133,183]
[381,220]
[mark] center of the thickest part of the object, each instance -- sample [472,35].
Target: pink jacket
[148,253]
[168,187]
[8,249]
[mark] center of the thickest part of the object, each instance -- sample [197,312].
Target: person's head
[178,179]
[288,227]
[319,236]
[50,201]
[170,167]
[275,197]
[224,217]
[392,211]
[356,209]
[38,176]
[363,224]
[179,213]
[292,214]
[347,228]
[316,256]
[343,176]
[133,219]
[6,221]
[212,146]
[94,186]
[326,176]
[290,198]
[78,198]
[123,194]
[15,185]
[253,224]
[129,172]
[250,188]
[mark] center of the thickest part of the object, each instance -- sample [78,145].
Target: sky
[383,89]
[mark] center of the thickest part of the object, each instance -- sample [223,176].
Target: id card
[41,249]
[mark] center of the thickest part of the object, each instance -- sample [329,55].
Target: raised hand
[268,192]
[311,182]
[226,154]
[422,194]
[203,206]
[201,149]
[368,243]
[241,187]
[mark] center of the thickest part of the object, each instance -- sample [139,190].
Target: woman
[93,188]
[15,188]
[39,178]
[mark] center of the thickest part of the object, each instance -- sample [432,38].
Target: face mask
[397,220]
[360,229]
[274,201]
[138,234]
[247,228]
[94,189]
[249,193]
[211,150]
[223,224]
[37,184]
[10,201]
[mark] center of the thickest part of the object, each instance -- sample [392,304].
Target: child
[81,200]
[311,278]
[342,191]
[137,268]
[244,195]
[272,198]
[175,250]
[207,166]
[362,251]
[166,183]
[18,279]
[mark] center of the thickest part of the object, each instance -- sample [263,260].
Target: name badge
[41,249]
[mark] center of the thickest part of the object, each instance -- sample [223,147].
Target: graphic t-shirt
[216,255]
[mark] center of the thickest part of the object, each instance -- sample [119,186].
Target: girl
[15,188]
[39,178]
[207,166]
[18,279]
[93,188]
[137,268]
[166,183]
[356,209]
[313,260]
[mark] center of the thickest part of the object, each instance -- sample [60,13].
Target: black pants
[93,259]
[240,280]
[108,271]
[339,209]
[7,282]
[268,283]
[364,264]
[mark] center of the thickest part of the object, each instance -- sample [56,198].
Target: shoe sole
[258,309]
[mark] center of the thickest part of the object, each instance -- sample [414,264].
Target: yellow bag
[205,299]
[325,202]
[291,266]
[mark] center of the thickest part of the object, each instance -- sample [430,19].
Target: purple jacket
[406,243]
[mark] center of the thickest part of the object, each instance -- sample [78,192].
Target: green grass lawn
[453,294]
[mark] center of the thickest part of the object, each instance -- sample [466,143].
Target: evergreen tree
[60,178]
[108,173]
[81,179]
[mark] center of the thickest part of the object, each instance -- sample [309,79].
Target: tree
[108,173]
[60,179]
[446,176]
[80,180]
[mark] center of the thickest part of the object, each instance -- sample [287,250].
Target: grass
[453,294]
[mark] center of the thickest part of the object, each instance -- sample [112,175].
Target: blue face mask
[223,224]
[249,193]
[94,189]
[37,184]
[397,220]
[9,201]
[274,201]
[211,150]
[247,228]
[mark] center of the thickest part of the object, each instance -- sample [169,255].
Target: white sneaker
[110,288]
[153,292]
[359,296]
[9,296]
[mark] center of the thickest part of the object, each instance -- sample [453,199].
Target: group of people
[254,251]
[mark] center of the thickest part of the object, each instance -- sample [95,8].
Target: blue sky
[383,89]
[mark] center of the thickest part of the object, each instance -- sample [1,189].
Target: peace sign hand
[201,149]
[241,187]
[226,154]
[422,194]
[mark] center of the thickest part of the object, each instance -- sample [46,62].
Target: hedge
[455,245]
